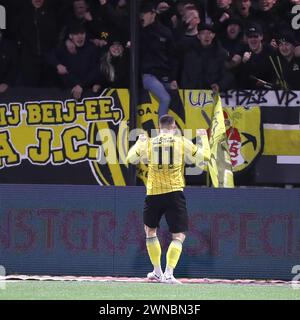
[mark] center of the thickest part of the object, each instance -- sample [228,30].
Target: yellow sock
[173,254]
[154,251]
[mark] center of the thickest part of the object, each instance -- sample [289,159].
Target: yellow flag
[219,165]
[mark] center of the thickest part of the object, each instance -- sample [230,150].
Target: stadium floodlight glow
[2,17]
[296,19]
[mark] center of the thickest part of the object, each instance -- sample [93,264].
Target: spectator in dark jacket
[96,29]
[289,64]
[269,18]
[232,43]
[204,65]
[188,36]
[36,33]
[116,16]
[82,14]
[158,61]
[256,68]
[8,64]
[79,70]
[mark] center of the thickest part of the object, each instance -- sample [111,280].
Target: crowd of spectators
[72,44]
[192,44]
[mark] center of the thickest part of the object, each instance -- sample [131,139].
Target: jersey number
[160,150]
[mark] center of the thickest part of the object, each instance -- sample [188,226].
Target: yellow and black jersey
[166,156]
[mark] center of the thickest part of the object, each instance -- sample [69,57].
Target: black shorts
[173,205]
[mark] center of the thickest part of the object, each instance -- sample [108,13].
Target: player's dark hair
[166,121]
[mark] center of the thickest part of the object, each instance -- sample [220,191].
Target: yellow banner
[219,166]
[282,140]
[94,130]
[193,109]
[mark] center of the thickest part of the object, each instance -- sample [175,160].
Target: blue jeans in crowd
[158,88]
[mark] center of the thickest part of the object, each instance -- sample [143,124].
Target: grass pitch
[66,290]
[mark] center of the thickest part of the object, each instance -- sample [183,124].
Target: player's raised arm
[139,151]
[197,153]
[204,143]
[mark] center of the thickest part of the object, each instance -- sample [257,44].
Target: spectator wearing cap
[232,42]
[77,71]
[8,64]
[36,34]
[256,68]
[114,66]
[288,65]
[204,64]
[158,60]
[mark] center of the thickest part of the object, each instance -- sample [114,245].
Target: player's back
[165,164]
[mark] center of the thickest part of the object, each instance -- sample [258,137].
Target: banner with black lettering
[193,109]
[53,139]
[48,138]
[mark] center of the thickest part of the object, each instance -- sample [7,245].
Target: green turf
[31,290]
